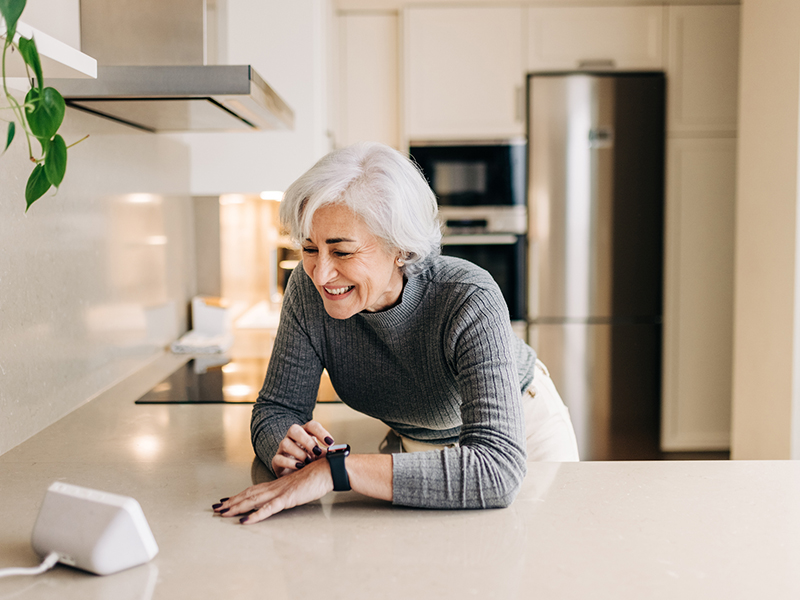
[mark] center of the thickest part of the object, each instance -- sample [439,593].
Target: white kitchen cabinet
[702,70]
[620,38]
[369,75]
[698,309]
[703,67]
[464,73]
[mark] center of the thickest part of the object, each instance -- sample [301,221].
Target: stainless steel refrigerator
[596,206]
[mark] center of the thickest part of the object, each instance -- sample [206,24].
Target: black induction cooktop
[207,380]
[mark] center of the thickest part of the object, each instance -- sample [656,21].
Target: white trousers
[548,428]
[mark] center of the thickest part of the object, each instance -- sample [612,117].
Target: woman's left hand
[266,499]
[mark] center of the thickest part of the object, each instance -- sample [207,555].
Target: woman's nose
[324,270]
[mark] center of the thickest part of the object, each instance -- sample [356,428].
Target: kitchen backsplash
[95,280]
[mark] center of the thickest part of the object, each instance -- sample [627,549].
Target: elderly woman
[420,341]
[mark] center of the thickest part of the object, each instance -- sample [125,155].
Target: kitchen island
[683,530]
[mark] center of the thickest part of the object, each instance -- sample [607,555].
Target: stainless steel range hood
[180,98]
[153,74]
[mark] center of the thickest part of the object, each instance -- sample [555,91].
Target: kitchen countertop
[683,530]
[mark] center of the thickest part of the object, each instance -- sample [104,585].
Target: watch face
[338,448]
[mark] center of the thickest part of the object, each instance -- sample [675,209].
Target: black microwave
[474,174]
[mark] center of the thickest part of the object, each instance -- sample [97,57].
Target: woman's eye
[309,250]
[342,254]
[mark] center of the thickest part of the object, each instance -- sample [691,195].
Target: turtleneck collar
[410,298]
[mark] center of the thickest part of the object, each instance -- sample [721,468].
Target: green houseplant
[39,116]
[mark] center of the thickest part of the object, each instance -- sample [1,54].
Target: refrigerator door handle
[519,103]
[479,240]
[596,63]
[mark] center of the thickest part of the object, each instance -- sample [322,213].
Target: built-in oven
[503,255]
[480,188]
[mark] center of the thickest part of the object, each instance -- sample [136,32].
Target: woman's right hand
[299,447]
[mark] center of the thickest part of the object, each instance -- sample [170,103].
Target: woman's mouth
[338,291]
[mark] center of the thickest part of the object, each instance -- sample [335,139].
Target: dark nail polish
[216,506]
[300,465]
[308,461]
[243,519]
[224,510]
[224,499]
[317,450]
[329,440]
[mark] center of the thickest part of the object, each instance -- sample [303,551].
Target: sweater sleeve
[487,467]
[292,381]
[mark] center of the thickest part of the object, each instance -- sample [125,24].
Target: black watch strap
[336,456]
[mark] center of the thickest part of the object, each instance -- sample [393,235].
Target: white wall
[96,279]
[286,43]
[57,18]
[766,313]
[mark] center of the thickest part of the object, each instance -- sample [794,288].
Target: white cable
[48,563]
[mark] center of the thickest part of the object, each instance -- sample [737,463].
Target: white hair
[382,187]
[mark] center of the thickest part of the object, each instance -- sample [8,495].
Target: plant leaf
[12,128]
[44,142]
[11,10]
[27,48]
[37,185]
[55,162]
[48,111]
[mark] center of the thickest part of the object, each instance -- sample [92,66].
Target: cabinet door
[622,38]
[703,68]
[463,73]
[698,303]
[368,67]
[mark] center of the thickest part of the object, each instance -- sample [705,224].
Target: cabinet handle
[596,63]
[519,103]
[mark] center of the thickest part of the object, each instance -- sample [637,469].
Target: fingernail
[216,506]
[224,510]
[317,450]
[243,519]
[300,465]
[308,461]
[224,499]
[329,440]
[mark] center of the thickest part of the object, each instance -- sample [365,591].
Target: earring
[400,262]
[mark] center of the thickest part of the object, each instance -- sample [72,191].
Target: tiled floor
[644,445]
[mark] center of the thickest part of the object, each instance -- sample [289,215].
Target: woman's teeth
[338,291]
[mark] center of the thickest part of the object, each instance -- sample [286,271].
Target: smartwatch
[336,455]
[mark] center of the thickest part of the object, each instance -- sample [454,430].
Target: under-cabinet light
[277,196]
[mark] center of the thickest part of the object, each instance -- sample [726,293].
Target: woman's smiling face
[352,269]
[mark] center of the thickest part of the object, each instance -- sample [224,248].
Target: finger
[272,507]
[317,430]
[302,438]
[227,507]
[223,506]
[282,462]
[246,502]
[289,447]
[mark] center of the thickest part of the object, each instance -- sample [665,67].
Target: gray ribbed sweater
[442,366]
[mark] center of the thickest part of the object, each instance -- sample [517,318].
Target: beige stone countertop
[678,530]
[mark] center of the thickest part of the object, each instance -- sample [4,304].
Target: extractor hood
[179,98]
[153,71]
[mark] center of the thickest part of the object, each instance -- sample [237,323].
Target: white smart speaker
[95,531]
